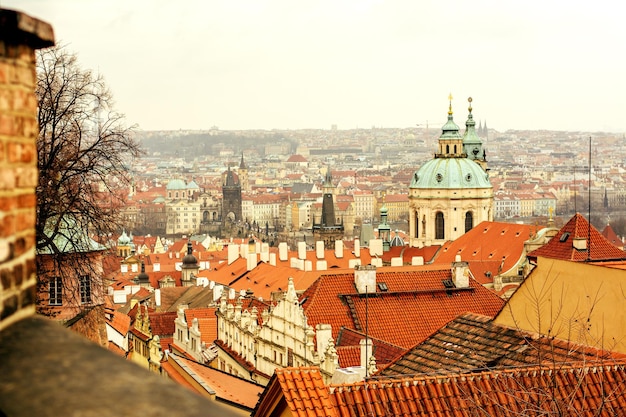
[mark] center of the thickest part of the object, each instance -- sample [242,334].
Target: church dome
[176,184]
[450,173]
[189,259]
[123,240]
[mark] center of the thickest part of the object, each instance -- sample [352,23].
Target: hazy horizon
[277,64]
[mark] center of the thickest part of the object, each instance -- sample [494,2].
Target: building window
[85,289]
[469,221]
[55,290]
[439,226]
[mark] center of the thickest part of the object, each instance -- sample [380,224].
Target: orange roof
[225,386]
[303,391]
[561,246]
[612,237]
[577,390]
[120,322]
[492,247]
[207,322]
[162,324]
[415,304]
[488,345]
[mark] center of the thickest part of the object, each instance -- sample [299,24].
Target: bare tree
[84,149]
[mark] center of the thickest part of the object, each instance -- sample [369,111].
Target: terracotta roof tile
[492,247]
[305,392]
[561,246]
[473,342]
[162,324]
[226,387]
[207,322]
[584,389]
[415,305]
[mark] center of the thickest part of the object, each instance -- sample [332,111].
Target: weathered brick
[7,125]
[20,246]
[7,227]
[9,306]
[18,274]
[7,179]
[6,277]
[27,201]
[26,176]
[21,152]
[28,296]
[25,220]
[8,203]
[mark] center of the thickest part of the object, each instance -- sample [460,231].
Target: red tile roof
[492,247]
[302,389]
[415,305]
[561,246]
[611,236]
[207,322]
[589,390]
[225,386]
[473,342]
[162,324]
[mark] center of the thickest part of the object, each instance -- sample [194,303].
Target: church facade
[451,193]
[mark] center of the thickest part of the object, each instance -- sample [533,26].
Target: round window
[468,177]
[439,177]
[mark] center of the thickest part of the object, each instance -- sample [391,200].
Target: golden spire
[470,104]
[450,108]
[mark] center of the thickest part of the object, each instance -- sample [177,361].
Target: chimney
[233,253]
[366,352]
[231,293]
[244,250]
[376,247]
[396,261]
[156,267]
[580,243]
[323,334]
[283,251]
[321,265]
[357,248]
[251,261]
[339,249]
[273,259]
[460,273]
[319,249]
[417,260]
[157,297]
[365,279]
[124,268]
[308,265]
[218,290]
[301,250]
[134,268]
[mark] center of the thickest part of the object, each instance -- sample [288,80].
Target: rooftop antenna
[589,207]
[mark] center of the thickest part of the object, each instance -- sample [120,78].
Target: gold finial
[469,99]
[450,107]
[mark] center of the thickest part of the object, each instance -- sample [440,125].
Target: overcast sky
[288,64]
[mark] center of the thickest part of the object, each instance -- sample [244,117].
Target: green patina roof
[68,237]
[450,173]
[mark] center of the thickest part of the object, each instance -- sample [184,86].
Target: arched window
[439,226]
[447,149]
[469,221]
[455,149]
[417,225]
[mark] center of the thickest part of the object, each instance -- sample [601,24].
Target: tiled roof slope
[415,305]
[561,245]
[303,391]
[162,324]
[611,236]
[226,387]
[582,390]
[490,246]
[383,352]
[473,342]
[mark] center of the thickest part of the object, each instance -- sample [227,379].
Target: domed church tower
[451,193]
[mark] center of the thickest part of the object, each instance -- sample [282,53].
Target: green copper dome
[450,173]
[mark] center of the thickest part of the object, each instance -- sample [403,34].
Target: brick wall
[20,36]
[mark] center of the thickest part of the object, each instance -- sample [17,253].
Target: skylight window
[564,237]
